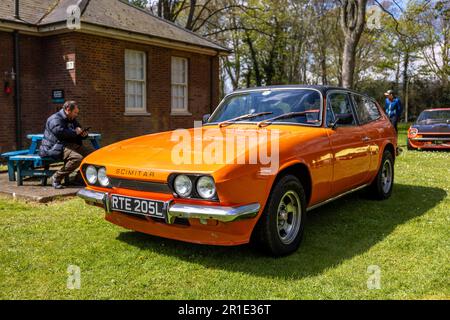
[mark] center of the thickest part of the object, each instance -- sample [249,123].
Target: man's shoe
[57,185]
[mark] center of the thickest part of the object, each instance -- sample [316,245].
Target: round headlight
[183,186]
[413,132]
[102,177]
[206,187]
[91,174]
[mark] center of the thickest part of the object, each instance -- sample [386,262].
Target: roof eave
[101,30]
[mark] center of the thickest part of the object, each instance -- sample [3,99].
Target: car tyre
[381,188]
[280,229]
[409,146]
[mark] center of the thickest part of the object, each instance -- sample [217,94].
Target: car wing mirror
[205,118]
[333,124]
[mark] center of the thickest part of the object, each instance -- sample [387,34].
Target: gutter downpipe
[17,89]
[212,86]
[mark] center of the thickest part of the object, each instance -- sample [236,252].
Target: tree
[353,19]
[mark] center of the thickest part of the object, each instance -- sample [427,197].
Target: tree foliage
[325,42]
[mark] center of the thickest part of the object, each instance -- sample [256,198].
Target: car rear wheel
[280,228]
[383,184]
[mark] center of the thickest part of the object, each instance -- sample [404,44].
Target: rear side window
[366,109]
[341,107]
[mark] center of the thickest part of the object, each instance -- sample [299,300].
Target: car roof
[323,89]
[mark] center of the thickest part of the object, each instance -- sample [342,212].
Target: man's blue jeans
[394,121]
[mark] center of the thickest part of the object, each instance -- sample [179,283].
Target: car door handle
[366,139]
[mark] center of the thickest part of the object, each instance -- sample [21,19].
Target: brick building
[131,72]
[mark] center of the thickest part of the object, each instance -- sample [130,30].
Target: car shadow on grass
[334,233]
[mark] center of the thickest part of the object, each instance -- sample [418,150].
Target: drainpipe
[212,87]
[17,96]
[17,11]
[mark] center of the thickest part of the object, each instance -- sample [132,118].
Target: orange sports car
[251,171]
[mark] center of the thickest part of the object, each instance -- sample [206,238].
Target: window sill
[181,114]
[137,114]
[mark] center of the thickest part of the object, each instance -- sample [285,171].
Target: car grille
[144,186]
[436,136]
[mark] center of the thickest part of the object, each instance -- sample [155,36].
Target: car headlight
[183,186]
[413,132]
[103,178]
[206,187]
[91,175]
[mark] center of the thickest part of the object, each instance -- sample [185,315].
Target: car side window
[373,110]
[340,104]
[366,109]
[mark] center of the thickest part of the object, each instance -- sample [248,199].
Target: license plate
[143,207]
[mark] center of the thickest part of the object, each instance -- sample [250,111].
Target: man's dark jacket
[59,131]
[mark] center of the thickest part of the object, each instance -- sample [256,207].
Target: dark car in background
[431,130]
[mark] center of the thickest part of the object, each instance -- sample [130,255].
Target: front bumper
[187,211]
[429,143]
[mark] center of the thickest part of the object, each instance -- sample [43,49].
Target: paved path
[33,191]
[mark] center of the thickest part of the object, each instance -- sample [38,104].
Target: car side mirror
[206,118]
[333,124]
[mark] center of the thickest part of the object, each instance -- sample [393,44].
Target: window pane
[179,83]
[135,82]
[372,109]
[361,110]
[341,106]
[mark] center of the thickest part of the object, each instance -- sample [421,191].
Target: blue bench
[27,163]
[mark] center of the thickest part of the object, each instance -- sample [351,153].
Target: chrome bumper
[204,213]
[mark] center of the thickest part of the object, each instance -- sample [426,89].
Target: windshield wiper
[283,116]
[244,117]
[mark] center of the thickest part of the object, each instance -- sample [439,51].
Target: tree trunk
[405,84]
[353,19]
[254,60]
[397,73]
[190,20]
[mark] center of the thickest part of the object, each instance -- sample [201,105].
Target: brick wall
[7,114]
[98,84]
[100,88]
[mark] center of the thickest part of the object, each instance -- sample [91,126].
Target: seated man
[63,140]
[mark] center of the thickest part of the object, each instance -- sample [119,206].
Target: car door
[350,149]
[369,119]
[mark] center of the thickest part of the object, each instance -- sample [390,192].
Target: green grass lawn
[407,237]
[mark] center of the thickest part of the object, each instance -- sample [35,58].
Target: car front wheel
[280,228]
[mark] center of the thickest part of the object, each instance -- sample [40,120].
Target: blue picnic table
[28,163]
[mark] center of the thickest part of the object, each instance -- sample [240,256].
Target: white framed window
[180,77]
[135,81]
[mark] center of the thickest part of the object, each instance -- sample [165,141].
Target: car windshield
[433,116]
[260,105]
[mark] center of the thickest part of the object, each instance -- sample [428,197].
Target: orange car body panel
[337,161]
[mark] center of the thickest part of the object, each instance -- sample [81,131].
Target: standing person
[393,108]
[63,140]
